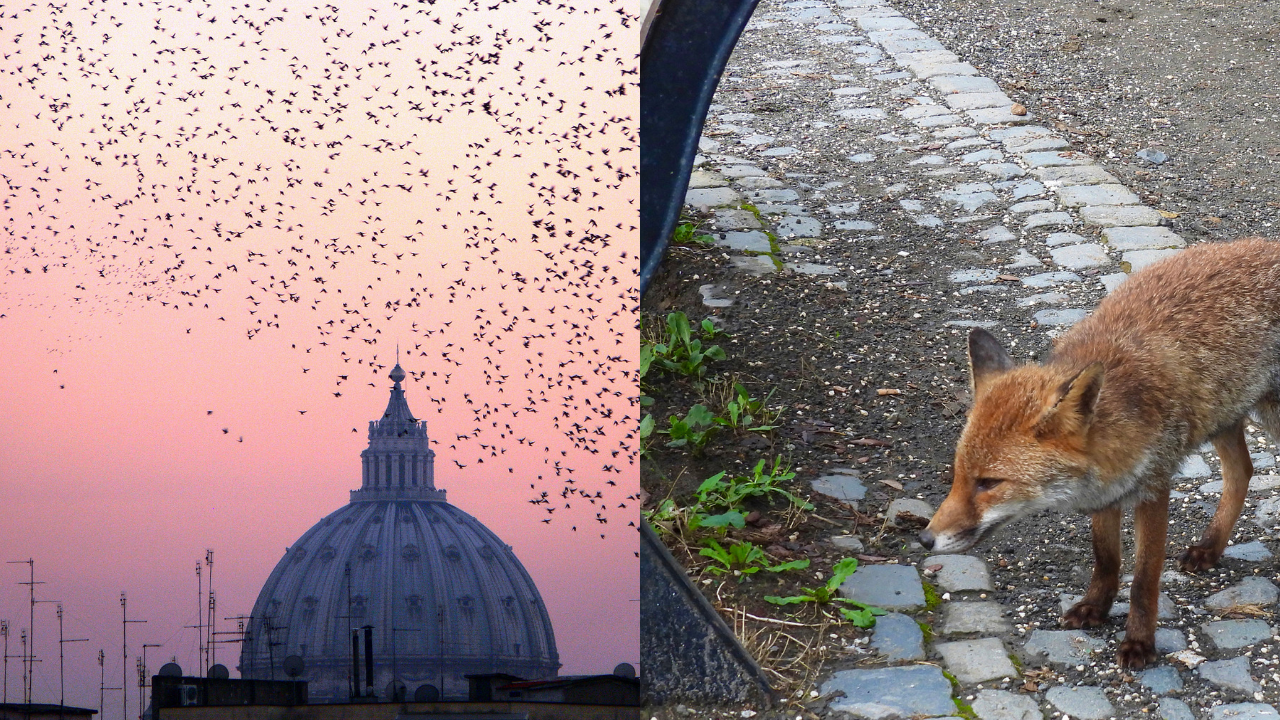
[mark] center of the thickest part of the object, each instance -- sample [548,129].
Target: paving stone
[1162,680]
[713,296]
[1175,709]
[863,114]
[997,115]
[847,208]
[869,24]
[707,145]
[886,77]
[754,140]
[1257,483]
[1004,705]
[705,179]
[904,41]
[1035,142]
[1023,260]
[758,183]
[850,91]
[898,638]
[845,488]
[923,110]
[1193,466]
[1078,257]
[1064,647]
[1065,317]
[1049,298]
[1004,171]
[735,219]
[863,157]
[1031,206]
[799,227]
[959,131]
[976,100]
[1112,281]
[911,691]
[1048,219]
[755,264]
[1138,259]
[984,324]
[975,661]
[776,196]
[1064,238]
[928,70]
[712,197]
[928,220]
[1078,175]
[1249,552]
[937,121]
[907,506]
[1120,215]
[960,572]
[1233,634]
[1082,701]
[1141,238]
[1237,711]
[750,241]
[984,617]
[996,234]
[963,84]
[891,587]
[1267,514]
[1165,607]
[1169,640]
[1022,188]
[1250,591]
[1108,194]
[968,201]
[1026,131]
[1050,279]
[1232,674]
[849,543]
[929,160]
[739,171]
[1055,158]
[1262,460]
[975,275]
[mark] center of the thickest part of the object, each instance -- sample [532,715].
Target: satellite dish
[396,691]
[170,670]
[293,666]
[624,670]
[219,672]
[426,693]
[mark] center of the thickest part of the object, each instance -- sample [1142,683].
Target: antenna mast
[208,559]
[62,690]
[124,644]
[30,653]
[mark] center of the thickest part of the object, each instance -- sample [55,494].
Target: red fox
[1178,355]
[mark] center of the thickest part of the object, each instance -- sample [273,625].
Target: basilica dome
[445,597]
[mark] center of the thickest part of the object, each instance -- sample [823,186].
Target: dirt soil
[1197,81]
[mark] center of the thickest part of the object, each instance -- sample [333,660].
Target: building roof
[432,580]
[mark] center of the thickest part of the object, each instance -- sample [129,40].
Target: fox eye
[986,483]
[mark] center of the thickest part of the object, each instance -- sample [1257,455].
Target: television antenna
[142,676]
[102,680]
[30,654]
[124,644]
[62,689]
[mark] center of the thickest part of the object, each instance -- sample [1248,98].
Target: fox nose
[926,539]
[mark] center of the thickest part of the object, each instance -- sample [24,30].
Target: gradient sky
[219,215]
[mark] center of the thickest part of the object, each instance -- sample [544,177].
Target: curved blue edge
[681,62]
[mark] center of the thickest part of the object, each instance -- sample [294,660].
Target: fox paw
[1197,558]
[1085,615]
[1135,653]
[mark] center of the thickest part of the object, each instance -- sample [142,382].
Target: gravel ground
[1199,81]
[1195,83]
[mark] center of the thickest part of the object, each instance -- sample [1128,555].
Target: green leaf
[861,618]
[699,416]
[841,572]
[793,600]
[733,517]
[646,426]
[646,358]
[793,565]
[678,327]
[714,352]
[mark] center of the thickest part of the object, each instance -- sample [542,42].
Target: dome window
[486,552]
[327,553]
[468,606]
[406,517]
[414,605]
[368,553]
[410,553]
[377,519]
[509,603]
[357,606]
[453,553]
[299,554]
[309,608]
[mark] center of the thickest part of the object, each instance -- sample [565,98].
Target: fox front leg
[1092,610]
[1151,525]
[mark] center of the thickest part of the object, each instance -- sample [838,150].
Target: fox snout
[947,531]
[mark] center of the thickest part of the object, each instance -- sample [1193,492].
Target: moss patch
[931,597]
[927,630]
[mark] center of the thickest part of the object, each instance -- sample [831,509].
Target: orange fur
[1177,356]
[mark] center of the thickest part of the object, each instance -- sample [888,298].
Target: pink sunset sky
[219,221]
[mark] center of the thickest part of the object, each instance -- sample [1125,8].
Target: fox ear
[1077,400]
[987,360]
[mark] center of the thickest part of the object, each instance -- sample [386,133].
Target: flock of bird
[460,175]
